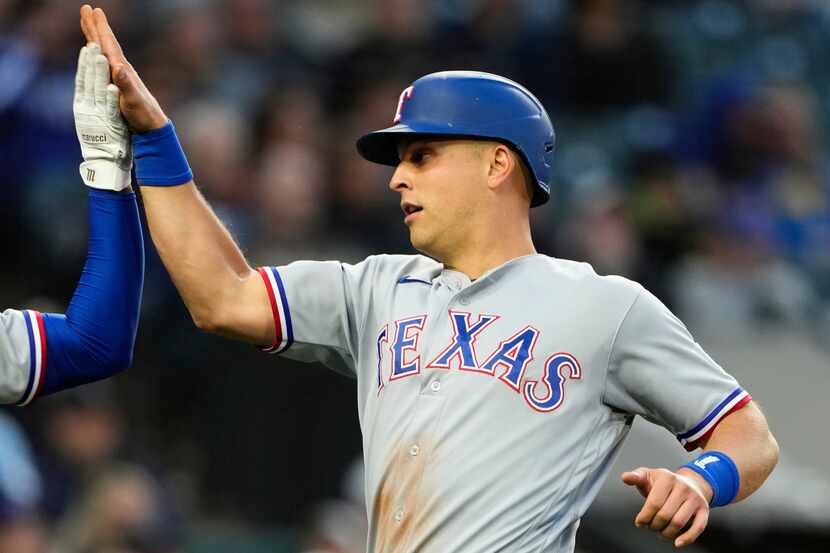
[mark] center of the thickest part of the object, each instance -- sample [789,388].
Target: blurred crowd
[691,156]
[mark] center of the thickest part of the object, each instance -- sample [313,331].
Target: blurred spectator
[98,497]
[399,42]
[481,35]
[735,285]
[340,525]
[294,113]
[663,206]
[597,229]
[20,528]
[777,177]
[256,55]
[290,185]
[602,57]
[120,512]
[218,146]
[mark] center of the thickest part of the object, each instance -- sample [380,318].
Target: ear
[502,163]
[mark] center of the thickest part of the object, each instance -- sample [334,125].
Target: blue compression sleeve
[95,338]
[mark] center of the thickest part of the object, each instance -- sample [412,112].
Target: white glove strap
[105,175]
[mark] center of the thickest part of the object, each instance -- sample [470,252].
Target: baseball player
[495,385]
[42,353]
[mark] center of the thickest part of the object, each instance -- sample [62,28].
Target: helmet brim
[382,146]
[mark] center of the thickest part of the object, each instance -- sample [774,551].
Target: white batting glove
[102,132]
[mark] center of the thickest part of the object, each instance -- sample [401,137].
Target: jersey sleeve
[318,309]
[658,371]
[22,355]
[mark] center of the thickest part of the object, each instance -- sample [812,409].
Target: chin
[425,245]
[419,242]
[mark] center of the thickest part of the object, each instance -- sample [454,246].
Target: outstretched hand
[674,501]
[140,109]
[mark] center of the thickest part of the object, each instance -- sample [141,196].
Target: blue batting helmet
[469,104]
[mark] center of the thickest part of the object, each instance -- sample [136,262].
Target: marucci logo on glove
[94,138]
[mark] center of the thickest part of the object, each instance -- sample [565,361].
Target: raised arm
[42,353]
[222,292]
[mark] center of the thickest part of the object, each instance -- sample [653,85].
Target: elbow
[208,320]
[774,450]
[203,322]
[117,360]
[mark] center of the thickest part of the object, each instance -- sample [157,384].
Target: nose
[401,179]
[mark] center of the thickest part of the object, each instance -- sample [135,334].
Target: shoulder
[583,277]
[576,287]
[393,267]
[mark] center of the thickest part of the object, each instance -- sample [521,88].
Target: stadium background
[691,157]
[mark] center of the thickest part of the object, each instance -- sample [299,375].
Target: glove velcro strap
[105,175]
[159,158]
[721,473]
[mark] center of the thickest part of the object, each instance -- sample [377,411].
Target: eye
[419,156]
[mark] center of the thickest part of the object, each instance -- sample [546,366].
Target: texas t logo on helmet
[405,95]
[470,104]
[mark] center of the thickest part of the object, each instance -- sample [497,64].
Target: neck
[490,249]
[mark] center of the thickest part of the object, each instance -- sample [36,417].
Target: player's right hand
[676,503]
[138,106]
[102,133]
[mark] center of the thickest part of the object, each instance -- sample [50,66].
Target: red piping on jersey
[41,329]
[274,311]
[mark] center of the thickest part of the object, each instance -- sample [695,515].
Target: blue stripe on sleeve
[714,413]
[289,339]
[32,357]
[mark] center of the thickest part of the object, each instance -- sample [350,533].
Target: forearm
[745,437]
[224,295]
[202,258]
[95,338]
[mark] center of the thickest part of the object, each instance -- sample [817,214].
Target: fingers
[109,44]
[633,477]
[673,500]
[112,101]
[661,487]
[88,24]
[102,79]
[664,517]
[678,519]
[92,50]
[123,78]
[80,76]
[639,478]
[697,528]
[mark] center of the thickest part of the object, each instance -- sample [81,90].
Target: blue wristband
[159,158]
[721,473]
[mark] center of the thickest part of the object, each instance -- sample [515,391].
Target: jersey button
[435,386]
[414,450]
[399,515]
[464,300]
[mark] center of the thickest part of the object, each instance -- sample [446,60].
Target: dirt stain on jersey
[396,510]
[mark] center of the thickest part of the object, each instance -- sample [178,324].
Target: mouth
[410,210]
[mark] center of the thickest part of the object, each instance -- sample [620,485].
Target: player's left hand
[674,501]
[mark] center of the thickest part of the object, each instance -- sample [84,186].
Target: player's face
[441,184]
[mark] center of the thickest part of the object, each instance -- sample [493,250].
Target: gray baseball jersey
[492,410]
[22,355]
